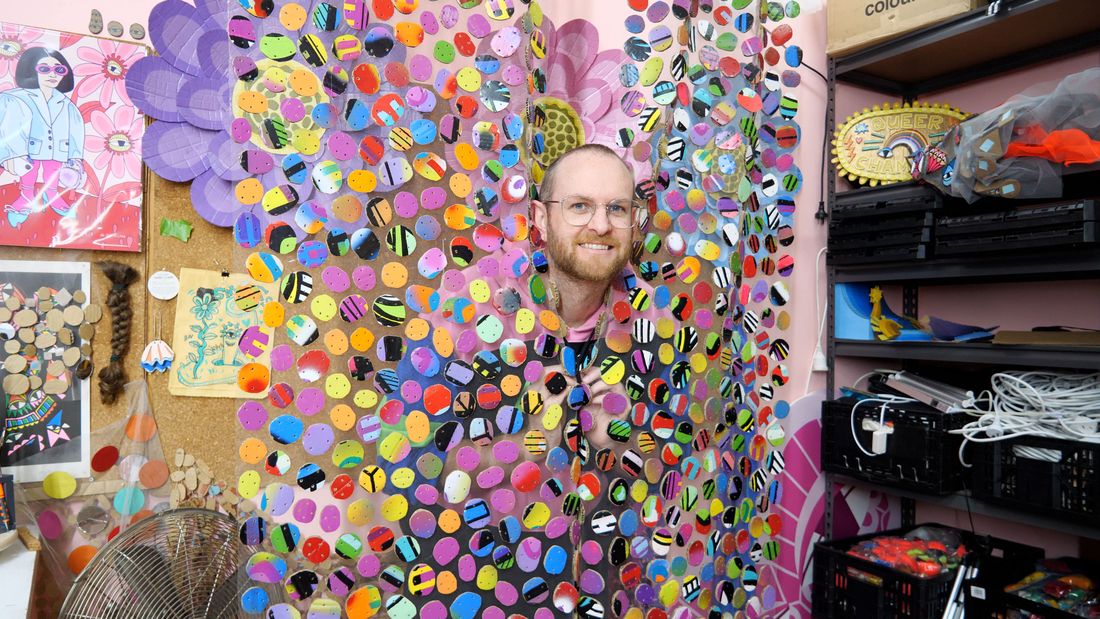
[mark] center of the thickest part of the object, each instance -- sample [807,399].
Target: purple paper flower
[186,89]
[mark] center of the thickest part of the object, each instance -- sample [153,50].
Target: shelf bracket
[908,512]
[909,294]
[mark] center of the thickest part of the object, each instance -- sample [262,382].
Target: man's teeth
[595,246]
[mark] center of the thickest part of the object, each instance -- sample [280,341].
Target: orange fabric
[1067,146]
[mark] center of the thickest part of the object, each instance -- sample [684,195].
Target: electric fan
[181,563]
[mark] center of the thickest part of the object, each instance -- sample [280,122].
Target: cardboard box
[854,24]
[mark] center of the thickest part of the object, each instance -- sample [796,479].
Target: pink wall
[74,15]
[809,30]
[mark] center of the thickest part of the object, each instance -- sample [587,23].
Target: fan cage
[182,563]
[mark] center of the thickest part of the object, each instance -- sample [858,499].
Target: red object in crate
[919,557]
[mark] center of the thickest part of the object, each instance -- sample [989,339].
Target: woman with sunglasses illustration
[41,134]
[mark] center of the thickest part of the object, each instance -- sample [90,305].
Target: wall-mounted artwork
[214,311]
[44,330]
[70,141]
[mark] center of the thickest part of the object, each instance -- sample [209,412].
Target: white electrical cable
[1044,404]
[886,400]
[822,312]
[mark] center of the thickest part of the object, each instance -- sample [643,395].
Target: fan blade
[147,571]
[223,600]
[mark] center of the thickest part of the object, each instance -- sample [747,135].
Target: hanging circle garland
[422,370]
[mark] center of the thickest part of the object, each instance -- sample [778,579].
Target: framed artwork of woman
[70,142]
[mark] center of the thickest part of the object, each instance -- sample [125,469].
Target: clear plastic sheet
[129,481]
[1021,148]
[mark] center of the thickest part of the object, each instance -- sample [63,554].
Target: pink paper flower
[13,40]
[115,141]
[104,70]
[586,78]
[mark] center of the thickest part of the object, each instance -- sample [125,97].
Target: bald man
[550,461]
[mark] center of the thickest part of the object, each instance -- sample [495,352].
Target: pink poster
[70,141]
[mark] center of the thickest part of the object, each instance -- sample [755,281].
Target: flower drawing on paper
[104,71]
[114,141]
[13,40]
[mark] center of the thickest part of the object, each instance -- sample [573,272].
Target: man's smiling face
[597,251]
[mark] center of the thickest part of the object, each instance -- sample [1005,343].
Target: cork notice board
[204,427]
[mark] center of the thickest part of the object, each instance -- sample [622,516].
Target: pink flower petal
[118,166]
[90,54]
[107,46]
[137,126]
[89,84]
[102,159]
[102,124]
[106,93]
[133,165]
[88,69]
[124,116]
[132,54]
[123,96]
[579,41]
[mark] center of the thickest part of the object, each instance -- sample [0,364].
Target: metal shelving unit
[1082,357]
[1002,36]
[987,269]
[1005,35]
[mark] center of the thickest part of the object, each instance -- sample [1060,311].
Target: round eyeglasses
[579,210]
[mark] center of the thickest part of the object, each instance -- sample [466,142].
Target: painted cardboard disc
[164,285]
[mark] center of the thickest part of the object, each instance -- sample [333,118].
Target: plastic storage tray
[920,454]
[1065,484]
[848,587]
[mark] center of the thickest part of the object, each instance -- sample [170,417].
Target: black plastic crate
[1054,568]
[1063,225]
[1000,563]
[1056,216]
[920,455]
[1046,475]
[849,587]
[880,239]
[875,255]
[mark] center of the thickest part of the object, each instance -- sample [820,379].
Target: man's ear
[539,215]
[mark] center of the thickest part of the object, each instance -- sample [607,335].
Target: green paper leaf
[176,228]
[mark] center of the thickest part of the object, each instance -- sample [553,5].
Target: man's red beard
[567,259]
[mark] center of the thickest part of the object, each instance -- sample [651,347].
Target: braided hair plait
[111,377]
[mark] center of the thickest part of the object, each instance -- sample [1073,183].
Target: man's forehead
[600,165]
[590,158]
